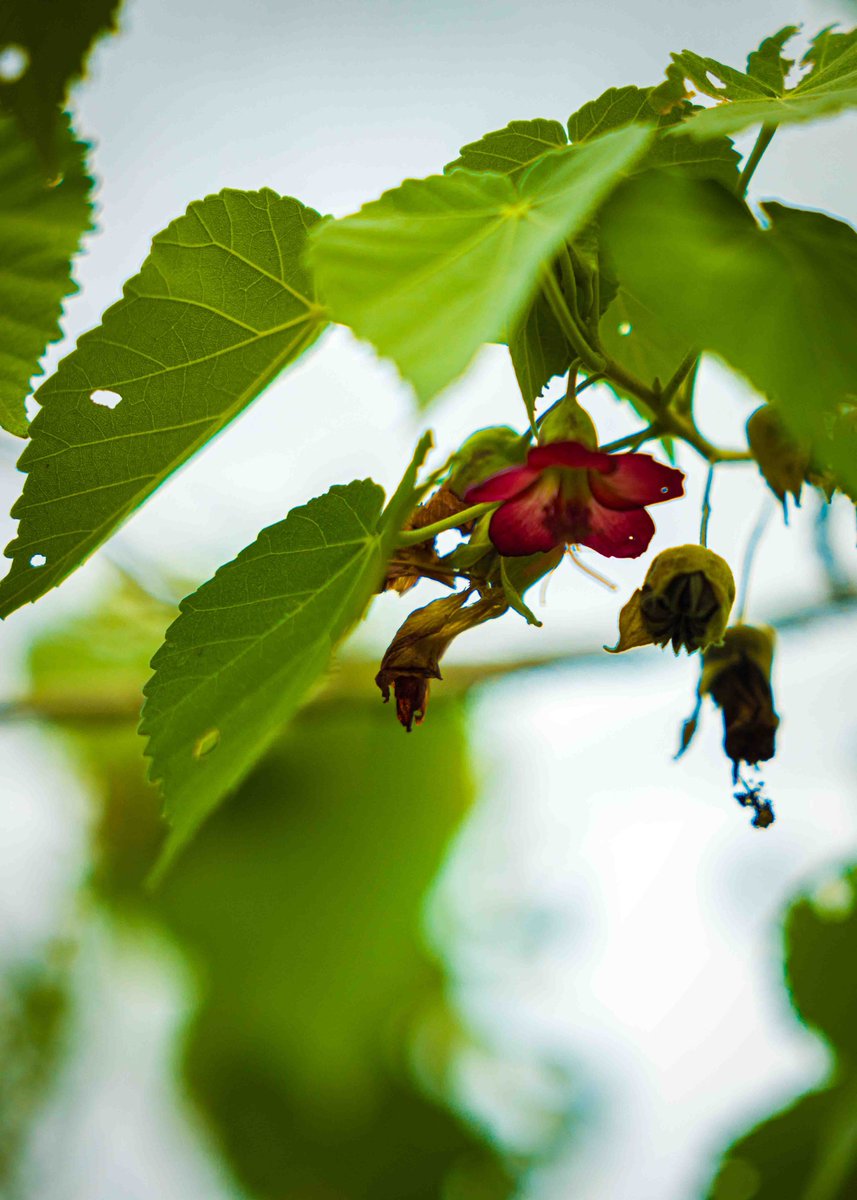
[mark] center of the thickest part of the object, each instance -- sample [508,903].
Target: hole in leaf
[14,61]
[105,398]
[205,743]
[624,328]
[665,491]
[38,560]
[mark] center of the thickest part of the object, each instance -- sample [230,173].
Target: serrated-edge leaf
[41,227]
[222,304]
[509,151]
[56,36]
[249,644]
[756,99]
[439,266]
[247,694]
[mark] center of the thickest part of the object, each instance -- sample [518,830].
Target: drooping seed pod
[737,676]
[685,600]
[783,460]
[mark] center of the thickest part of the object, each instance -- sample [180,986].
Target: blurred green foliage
[809,1150]
[320,1048]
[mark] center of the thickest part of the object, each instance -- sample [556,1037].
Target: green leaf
[220,307]
[614,109]
[539,350]
[809,1150]
[617,107]
[50,40]
[436,267]
[511,150]
[778,304]
[40,230]
[249,644]
[638,339]
[760,96]
[309,887]
[537,345]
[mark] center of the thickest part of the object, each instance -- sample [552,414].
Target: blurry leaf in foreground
[778,304]
[41,225]
[33,1006]
[46,44]
[437,267]
[302,901]
[809,1150]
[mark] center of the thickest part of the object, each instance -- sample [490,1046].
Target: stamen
[593,574]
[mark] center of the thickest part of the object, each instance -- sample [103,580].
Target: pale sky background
[611,909]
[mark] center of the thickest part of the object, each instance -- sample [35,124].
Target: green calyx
[685,600]
[483,454]
[567,421]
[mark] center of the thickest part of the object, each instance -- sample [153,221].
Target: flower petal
[617,534]
[502,486]
[525,525]
[567,454]
[632,480]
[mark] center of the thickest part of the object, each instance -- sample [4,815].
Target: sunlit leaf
[250,643]
[760,96]
[779,304]
[45,44]
[436,267]
[221,306]
[40,230]
[537,345]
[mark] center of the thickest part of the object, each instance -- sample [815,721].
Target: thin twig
[706,507]
[750,554]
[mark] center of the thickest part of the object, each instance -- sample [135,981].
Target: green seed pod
[568,422]
[737,676]
[783,461]
[484,453]
[685,600]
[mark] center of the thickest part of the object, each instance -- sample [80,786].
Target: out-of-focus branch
[351,679]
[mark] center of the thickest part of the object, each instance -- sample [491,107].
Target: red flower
[568,493]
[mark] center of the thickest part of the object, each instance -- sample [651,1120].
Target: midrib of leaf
[82,550]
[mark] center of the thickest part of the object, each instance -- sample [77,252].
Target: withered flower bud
[409,564]
[737,676]
[685,600]
[783,460]
[484,454]
[413,657]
